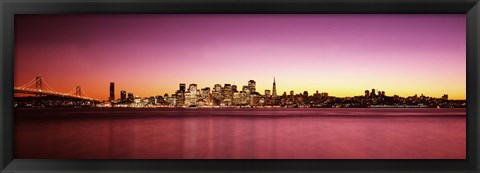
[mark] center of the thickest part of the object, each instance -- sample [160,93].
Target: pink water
[240,133]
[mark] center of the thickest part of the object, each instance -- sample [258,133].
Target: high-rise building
[205,94]
[130,97]
[251,85]
[112,92]
[367,93]
[217,88]
[373,92]
[227,94]
[123,96]
[181,93]
[234,88]
[192,88]
[274,90]
[182,87]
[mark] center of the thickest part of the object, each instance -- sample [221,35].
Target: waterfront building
[112,92]
[251,86]
[191,96]
[123,96]
[237,98]
[130,97]
[246,89]
[181,93]
[217,88]
[227,95]
[182,87]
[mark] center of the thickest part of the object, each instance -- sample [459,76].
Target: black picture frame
[9,8]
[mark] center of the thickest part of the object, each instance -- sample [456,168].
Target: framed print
[208,86]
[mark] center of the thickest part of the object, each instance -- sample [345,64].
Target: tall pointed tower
[274,90]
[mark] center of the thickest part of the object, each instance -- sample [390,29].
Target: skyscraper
[182,87]
[192,88]
[112,92]
[123,96]
[274,90]
[251,85]
[130,97]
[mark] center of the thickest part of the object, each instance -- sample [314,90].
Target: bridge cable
[29,83]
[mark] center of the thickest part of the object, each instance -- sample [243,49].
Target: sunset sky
[151,54]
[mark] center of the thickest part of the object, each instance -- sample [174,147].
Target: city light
[228,96]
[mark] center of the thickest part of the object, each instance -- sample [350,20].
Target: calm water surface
[91,133]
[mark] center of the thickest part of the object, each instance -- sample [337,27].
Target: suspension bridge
[40,87]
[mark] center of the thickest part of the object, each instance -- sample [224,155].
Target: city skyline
[227,96]
[151,54]
[116,92]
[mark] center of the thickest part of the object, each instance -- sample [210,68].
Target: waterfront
[344,133]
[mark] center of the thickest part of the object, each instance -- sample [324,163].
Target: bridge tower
[38,84]
[78,91]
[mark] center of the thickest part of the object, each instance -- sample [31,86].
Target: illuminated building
[181,93]
[217,97]
[130,97]
[165,97]
[123,96]
[191,95]
[112,92]
[254,99]
[205,95]
[205,92]
[192,88]
[251,86]
[137,100]
[237,98]
[158,99]
[227,94]
[246,89]
[217,88]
